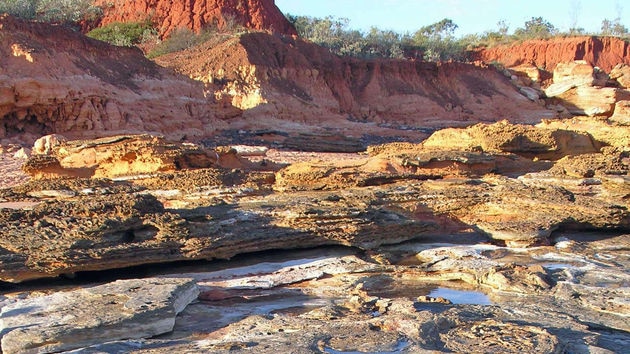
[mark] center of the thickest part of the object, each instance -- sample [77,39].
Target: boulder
[621,73]
[578,72]
[531,93]
[592,101]
[621,114]
[534,74]
[46,144]
[116,156]
[125,309]
[570,75]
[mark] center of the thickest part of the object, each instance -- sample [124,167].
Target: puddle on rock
[461,297]
[456,292]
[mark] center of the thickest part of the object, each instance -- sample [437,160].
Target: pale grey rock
[592,101]
[46,144]
[125,309]
[53,193]
[531,93]
[621,73]
[621,115]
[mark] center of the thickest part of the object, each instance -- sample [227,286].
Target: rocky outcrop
[593,101]
[602,52]
[55,80]
[168,16]
[115,157]
[524,140]
[125,309]
[274,79]
[119,225]
[401,192]
[621,73]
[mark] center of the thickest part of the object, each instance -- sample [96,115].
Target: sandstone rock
[387,167]
[471,337]
[46,144]
[23,153]
[126,229]
[168,16]
[602,130]
[534,74]
[64,90]
[621,115]
[578,72]
[518,139]
[570,75]
[621,73]
[592,101]
[117,156]
[310,86]
[138,308]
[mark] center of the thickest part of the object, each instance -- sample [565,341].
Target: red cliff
[56,80]
[602,52]
[169,15]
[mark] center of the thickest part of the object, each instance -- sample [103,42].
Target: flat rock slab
[125,309]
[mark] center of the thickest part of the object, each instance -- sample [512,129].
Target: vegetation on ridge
[58,11]
[124,33]
[433,42]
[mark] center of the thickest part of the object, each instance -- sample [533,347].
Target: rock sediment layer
[125,309]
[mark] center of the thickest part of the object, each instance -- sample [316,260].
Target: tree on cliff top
[60,11]
[537,27]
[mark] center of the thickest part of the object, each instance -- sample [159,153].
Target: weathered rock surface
[130,228]
[116,156]
[602,130]
[125,309]
[435,220]
[593,101]
[521,140]
[621,73]
[602,52]
[570,75]
[169,16]
[402,192]
[253,81]
[55,80]
[621,115]
[289,79]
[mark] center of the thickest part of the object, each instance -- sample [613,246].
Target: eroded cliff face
[602,52]
[55,80]
[291,79]
[170,15]
[58,81]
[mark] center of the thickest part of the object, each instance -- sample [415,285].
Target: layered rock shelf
[534,218]
[264,195]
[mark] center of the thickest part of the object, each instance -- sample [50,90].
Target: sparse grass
[184,38]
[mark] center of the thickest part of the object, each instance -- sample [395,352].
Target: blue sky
[472,16]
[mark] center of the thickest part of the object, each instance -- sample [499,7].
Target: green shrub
[60,11]
[123,34]
[20,8]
